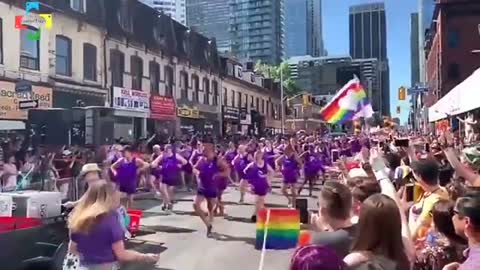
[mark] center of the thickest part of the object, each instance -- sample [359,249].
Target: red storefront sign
[162,108]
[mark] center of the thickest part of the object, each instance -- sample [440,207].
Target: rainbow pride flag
[282,228]
[346,104]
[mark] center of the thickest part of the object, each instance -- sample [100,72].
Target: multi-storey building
[425,16]
[173,8]
[368,39]
[414,50]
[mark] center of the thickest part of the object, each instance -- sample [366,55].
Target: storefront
[245,120]
[461,99]
[68,98]
[162,116]
[231,120]
[12,117]
[190,122]
[132,108]
[211,125]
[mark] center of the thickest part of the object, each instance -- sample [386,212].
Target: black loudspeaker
[302,206]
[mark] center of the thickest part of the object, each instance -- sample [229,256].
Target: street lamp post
[282,110]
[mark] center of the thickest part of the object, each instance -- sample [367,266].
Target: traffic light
[402,93]
[398,110]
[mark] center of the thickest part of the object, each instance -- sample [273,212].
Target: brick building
[452,44]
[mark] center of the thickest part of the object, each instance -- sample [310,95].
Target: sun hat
[90,167]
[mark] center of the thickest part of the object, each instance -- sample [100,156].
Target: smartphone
[427,147]
[409,189]
[401,142]
[302,206]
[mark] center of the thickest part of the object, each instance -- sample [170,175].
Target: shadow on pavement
[229,238]
[168,229]
[239,219]
[144,247]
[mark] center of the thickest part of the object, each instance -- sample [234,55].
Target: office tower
[303,28]
[414,50]
[211,18]
[257,30]
[425,17]
[368,39]
[173,8]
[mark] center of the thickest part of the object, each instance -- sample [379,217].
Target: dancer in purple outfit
[229,155]
[208,169]
[170,164]
[187,153]
[239,163]
[156,173]
[311,167]
[290,166]
[270,154]
[125,172]
[259,173]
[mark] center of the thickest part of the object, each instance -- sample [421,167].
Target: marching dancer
[156,173]
[311,168]
[240,162]
[290,166]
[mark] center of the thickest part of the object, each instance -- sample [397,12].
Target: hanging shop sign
[162,108]
[129,99]
[231,113]
[10,100]
[188,112]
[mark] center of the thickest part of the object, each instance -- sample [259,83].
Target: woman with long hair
[259,172]
[208,169]
[240,162]
[290,166]
[96,234]
[170,164]
[379,237]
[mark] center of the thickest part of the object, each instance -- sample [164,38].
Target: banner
[188,112]
[231,113]
[9,100]
[162,108]
[129,99]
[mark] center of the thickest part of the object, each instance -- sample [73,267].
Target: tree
[268,71]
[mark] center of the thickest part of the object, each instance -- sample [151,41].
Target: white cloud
[349,102]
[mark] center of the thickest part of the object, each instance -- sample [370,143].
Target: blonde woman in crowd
[96,234]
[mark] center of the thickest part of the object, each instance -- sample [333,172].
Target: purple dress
[208,186]
[127,176]
[270,158]
[187,168]
[258,179]
[156,172]
[312,164]
[290,170]
[170,170]
[240,165]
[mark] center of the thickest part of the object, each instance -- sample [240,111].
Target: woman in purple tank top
[240,162]
[270,154]
[289,164]
[259,173]
[187,153]
[208,169]
[125,172]
[229,155]
[156,173]
[170,164]
[311,167]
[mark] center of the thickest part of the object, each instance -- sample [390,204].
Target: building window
[215,93]
[233,99]
[453,71]
[154,70]
[251,102]
[29,49]
[1,41]
[225,96]
[245,103]
[196,87]
[168,81]
[183,85]
[79,5]
[263,106]
[136,71]
[117,67]
[206,91]
[453,39]
[239,99]
[257,107]
[89,62]
[63,53]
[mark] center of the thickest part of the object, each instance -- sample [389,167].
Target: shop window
[215,93]
[79,5]
[63,56]
[183,85]
[453,39]
[117,67]
[29,49]
[206,91]
[1,41]
[89,62]
[453,71]
[168,81]
[239,99]
[196,87]
[136,71]
[154,70]
[225,96]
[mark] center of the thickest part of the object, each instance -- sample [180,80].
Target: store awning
[11,125]
[463,98]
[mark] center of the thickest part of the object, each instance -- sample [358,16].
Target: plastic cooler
[135,216]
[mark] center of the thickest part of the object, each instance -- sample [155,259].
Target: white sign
[129,99]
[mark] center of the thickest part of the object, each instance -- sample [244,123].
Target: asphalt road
[181,240]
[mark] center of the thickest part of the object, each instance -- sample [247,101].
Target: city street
[181,240]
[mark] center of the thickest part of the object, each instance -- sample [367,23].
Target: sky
[336,39]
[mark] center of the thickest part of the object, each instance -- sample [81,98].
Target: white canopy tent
[463,98]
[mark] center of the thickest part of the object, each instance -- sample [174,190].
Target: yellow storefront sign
[188,112]
[9,100]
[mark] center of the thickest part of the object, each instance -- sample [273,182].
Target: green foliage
[268,71]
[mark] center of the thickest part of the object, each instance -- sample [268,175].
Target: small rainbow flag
[346,104]
[282,228]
